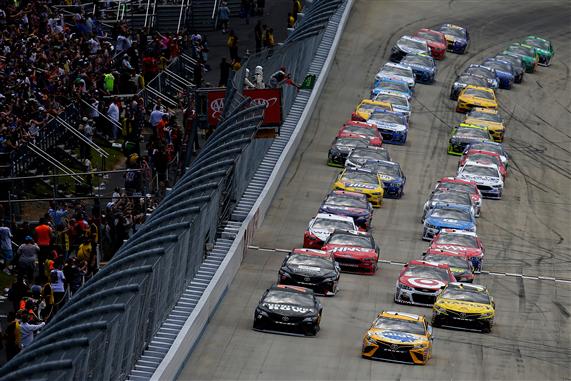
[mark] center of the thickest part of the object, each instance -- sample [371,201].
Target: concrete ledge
[194,326]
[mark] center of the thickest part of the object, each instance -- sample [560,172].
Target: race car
[392,126]
[392,176]
[420,282]
[447,217]
[359,156]
[322,225]
[391,86]
[543,48]
[399,103]
[436,42]
[504,71]
[457,185]
[461,267]
[489,118]
[361,181]
[490,74]
[396,72]
[445,197]
[492,147]
[473,96]
[398,337]
[366,107]
[487,176]
[486,157]
[465,306]
[423,67]
[460,243]
[407,45]
[517,64]
[527,54]
[354,251]
[314,269]
[352,128]
[464,134]
[350,204]
[464,80]
[457,38]
[341,147]
[288,309]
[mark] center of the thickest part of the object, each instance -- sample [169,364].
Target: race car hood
[422,283]
[466,139]
[408,80]
[457,40]
[377,90]
[390,179]
[480,180]
[342,147]
[287,309]
[322,234]
[465,251]
[463,306]
[360,186]
[409,50]
[388,126]
[350,251]
[484,123]
[396,337]
[479,101]
[310,271]
[344,210]
[449,223]
[419,67]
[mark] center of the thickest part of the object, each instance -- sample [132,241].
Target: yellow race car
[489,118]
[362,181]
[476,96]
[398,337]
[364,110]
[465,306]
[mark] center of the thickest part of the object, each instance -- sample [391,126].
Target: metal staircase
[203,14]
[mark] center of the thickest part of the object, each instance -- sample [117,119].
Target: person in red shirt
[43,235]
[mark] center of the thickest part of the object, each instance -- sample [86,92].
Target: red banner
[272,98]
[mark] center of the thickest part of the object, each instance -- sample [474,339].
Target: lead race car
[288,309]
[436,42]
[457,37]
[420,282]
[543,48]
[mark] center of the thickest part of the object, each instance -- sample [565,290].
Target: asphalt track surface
[528,232]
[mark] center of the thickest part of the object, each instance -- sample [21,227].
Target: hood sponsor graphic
[360,185]
[312,269]
[350,248]
[287,307]
[399,336]
[271,98]
[427,283]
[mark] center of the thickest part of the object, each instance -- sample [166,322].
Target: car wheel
[435,322]
[487,328]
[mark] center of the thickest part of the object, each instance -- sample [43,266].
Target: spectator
[17,292]
[224,16]
[5,243]
[28,329]
[43,233]
[232,43]
[12,336]
[28,254]
[290,20]
[73,273]
[224,72]
[114,114]
[57,279]
[57,213]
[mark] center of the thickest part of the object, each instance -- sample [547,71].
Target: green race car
[465,134]
[543,48]
[527,54]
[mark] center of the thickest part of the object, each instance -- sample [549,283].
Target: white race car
[486,176]
[321,227]
[396,72]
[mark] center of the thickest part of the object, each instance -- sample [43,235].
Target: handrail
[154,16]
[172,74]
[182,2]
[214,16]
[53,161]
[161,95]
[103,115]
[80,136]
[147,13]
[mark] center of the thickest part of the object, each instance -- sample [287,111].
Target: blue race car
[504,71]
[392,176]
[392,86]
[447,217]
[393,126]
[519,68]
[350,204]
[423,67]
[400,104]
[442,198]
[456,36]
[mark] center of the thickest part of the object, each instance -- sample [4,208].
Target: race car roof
[334,217]
[457,231]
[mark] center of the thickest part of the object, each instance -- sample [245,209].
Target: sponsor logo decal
[360,185]
[309,268]
[428,283]
[400,336]
[344,249]
[286,307]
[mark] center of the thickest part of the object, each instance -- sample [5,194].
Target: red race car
[459,242]
[355,251]
[452,183]
[363,130]
[436,41]
[322,225]
[421,282]
[485,157]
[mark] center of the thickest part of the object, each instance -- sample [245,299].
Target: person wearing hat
[28,329]
[27,257]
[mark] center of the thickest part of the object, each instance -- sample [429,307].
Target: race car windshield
[456,187]
[472,80]
[350,202]
[451,214]
[350,240]
[480,171]
[426,272]
[392,99]
[391,85]
[415,327]
[544,45]
[511,59]
[429,36]
[384,169]
[411,44]
[522,50]
[369,107]
[487,147]
[360,177]
[370,154]
[419,60]
[471,133]
[359,130]
[452,197]
[452,31]
[386,118]
[285,297]
[501,66]
[327,224]
[352,142]
[489,117]
[457,239]
[306,260]
[391,70]
[484,158]
[477,93]
[448,260]
[467,296]
[480,71]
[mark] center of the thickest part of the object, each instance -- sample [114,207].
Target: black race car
[288,309]
[342,147]
[464,80]
[313,269]
[359,156]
